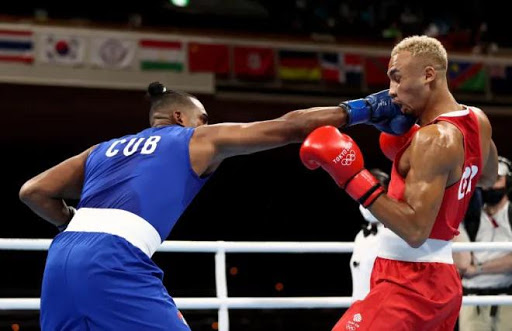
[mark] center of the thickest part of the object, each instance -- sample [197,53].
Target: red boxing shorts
[407,296]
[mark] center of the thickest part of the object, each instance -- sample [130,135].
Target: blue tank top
[148,174]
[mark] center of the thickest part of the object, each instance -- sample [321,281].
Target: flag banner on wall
[62,49]
[112,53]
[332,67]
[298,65]
[353,67]
[376,71]
[161,55]
[467,76]
[208,58]
[500,78]
[253,62]
[16,46]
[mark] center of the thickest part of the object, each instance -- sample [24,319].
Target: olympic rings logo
[346,157]
[349,158]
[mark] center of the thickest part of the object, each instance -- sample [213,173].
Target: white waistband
[136,230]
[395,248]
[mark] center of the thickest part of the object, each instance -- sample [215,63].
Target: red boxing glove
[391,144]
[339,155]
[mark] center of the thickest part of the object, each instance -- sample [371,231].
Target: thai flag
[16,46]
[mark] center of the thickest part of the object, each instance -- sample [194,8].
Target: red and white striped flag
[161,55]
[16,46]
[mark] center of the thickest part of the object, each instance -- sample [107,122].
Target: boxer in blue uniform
[99,274]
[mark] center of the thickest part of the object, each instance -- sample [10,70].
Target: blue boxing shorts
[99,281]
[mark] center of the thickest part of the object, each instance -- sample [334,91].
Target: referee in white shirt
[488,273]
[366,246]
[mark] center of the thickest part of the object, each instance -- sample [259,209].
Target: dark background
[356,21]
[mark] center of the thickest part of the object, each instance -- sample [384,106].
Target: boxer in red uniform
[414,284]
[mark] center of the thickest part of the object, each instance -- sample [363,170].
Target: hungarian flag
[253,62]
[162,55]
[208,58]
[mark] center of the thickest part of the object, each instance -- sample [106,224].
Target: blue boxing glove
[378,110]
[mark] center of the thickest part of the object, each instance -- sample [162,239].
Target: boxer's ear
[178,117]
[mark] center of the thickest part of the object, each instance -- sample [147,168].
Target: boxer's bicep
[63,181]
[212,144]
[433,156]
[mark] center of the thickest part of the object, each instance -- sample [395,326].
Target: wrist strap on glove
[364,188]
[358,111]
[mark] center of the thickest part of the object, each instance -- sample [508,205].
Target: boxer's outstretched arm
[45,192]
[435,153]
[213,143]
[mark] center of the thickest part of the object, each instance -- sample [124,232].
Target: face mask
[493,196]
[368,216]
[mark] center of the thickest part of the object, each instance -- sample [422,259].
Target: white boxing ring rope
[222,302]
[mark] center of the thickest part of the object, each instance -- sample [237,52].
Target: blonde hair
[428,48]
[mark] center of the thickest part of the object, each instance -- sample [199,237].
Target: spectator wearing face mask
[366,246]
[488,272]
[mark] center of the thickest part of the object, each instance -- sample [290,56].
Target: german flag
[299,66]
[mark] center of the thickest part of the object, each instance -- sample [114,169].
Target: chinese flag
[208,58]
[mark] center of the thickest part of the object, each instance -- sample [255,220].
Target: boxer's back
[147,174]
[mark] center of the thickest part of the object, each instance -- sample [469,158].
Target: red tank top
[456,196]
